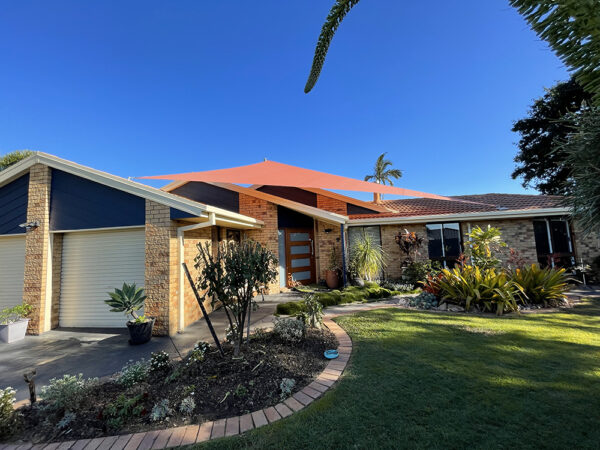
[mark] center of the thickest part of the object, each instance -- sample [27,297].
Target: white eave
[196,209]
[462,217]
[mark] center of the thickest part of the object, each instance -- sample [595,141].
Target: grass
[421,379]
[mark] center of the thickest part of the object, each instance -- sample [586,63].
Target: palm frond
[334,18]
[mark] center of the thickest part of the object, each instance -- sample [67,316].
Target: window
[553,242]
[444,242]
[234,236]
[354,233]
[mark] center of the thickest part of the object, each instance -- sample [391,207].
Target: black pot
[140,333]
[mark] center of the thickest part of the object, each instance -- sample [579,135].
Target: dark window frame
[446,261]
[551,257]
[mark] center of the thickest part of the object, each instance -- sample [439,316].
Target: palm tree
[570,28]
[383,174]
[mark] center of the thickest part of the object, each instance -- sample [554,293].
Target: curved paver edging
[231,426]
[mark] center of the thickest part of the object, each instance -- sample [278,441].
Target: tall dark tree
[582,154]
[540,160]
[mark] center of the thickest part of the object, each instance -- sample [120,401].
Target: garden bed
[175,393]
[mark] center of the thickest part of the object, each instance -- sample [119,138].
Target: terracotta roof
[474,203]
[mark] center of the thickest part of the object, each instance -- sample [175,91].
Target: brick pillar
[267,236]
[37,243]
[161,269]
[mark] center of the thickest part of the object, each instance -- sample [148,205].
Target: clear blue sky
[151,87]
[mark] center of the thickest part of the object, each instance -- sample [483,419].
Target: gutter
[212,221]
[513,214]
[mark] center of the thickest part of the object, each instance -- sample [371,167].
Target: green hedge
[352,294]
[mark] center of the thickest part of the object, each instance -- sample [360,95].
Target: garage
[12,270]
[94,263]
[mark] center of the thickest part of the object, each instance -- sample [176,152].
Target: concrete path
[99,353]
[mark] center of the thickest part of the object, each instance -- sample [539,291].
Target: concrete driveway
[99,353]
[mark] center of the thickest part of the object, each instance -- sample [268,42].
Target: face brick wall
[192,239]
[394,257]
[57,241]
[331,204]
[587,247]
[37,247]
[517,234]
[267,236]
[162,278]
[325,242]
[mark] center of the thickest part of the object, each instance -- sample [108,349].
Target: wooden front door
[300,255]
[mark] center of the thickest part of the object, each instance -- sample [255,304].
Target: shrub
[286,386]
[133,373]
[198,353]
[231,275]
[483,245]
[416,273]
[15,313]
[313,315]
[66,420]
[367,258]
[68,392]
[424,300]
[7,413]
[187,405]
[290,308]
[159,361]
[469,285]
[541,286]
[117,412]
[161,410]
[288,329]
[398,286]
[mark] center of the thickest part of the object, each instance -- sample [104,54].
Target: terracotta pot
[332,279]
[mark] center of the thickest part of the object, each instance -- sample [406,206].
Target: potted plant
[13,322]
[332,273]
[130,299]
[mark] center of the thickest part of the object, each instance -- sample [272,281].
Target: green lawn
[431,380]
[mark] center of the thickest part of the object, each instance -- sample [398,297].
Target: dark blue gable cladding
[77,203]
[13,205]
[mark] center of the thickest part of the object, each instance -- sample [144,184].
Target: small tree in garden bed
[484,245]
[409,243]
[231,274]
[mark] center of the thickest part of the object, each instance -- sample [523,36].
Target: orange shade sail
[279,174]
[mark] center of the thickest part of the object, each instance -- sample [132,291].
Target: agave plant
[128,300]
[541,286]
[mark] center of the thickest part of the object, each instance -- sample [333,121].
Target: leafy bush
[159,361]
[541,286]
[469,285]
[7,412]
[118,412]
[198,353]
[68,392]
[483,246]
[424,300]
[416,273]
[231,275]
[313,315]
[133,373]
[161,410]
[187,405]
[15,313]
[286,386]
[398,287]
[129,299]
[290,308]
[288,329]
[432,283]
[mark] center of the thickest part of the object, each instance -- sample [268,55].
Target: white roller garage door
[94,263]
[12,270]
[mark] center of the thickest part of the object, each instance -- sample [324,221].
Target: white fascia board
[132,187]
[496,215]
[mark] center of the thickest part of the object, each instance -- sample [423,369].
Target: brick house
[69,234]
